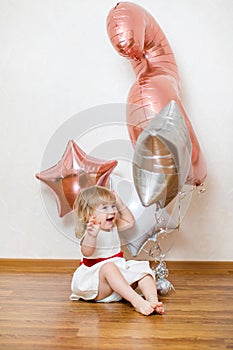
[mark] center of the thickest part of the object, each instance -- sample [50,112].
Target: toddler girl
[104,275]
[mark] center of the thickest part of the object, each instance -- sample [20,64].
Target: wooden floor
[36,313]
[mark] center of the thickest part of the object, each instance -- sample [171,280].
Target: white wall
[56,61]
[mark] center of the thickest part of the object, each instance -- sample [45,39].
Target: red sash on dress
[91,262]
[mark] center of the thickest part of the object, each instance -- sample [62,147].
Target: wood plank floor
[36,313]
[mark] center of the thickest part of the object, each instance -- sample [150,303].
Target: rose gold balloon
[136,35]
[76,170]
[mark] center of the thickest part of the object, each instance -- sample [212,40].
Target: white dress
[85,279]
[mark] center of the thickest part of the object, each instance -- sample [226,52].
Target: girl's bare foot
[143,306]
[157,306]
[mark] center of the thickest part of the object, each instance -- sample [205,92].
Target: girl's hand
[93,227]
[119,203]
[125,218]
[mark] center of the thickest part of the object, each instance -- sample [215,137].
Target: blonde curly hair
[85,203]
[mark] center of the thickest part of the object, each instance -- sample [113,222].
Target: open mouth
[110,219]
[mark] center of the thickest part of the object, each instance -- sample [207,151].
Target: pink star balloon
[76,170]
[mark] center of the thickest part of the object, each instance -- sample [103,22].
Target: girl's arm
[126,218]
[88,243]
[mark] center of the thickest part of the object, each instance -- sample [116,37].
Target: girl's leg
[111,279]
[148,288]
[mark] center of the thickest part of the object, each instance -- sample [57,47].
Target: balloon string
[157,247]
[179,212]
[157,244]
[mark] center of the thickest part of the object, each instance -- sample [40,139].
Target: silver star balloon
[162,157]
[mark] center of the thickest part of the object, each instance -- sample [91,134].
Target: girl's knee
[108,267]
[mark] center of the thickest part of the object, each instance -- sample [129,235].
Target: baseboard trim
[38,265]
[69,265]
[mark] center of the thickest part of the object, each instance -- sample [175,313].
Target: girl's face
[106,215]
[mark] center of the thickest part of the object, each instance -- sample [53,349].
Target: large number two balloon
[136,35]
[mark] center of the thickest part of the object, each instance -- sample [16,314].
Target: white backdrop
[57,61]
